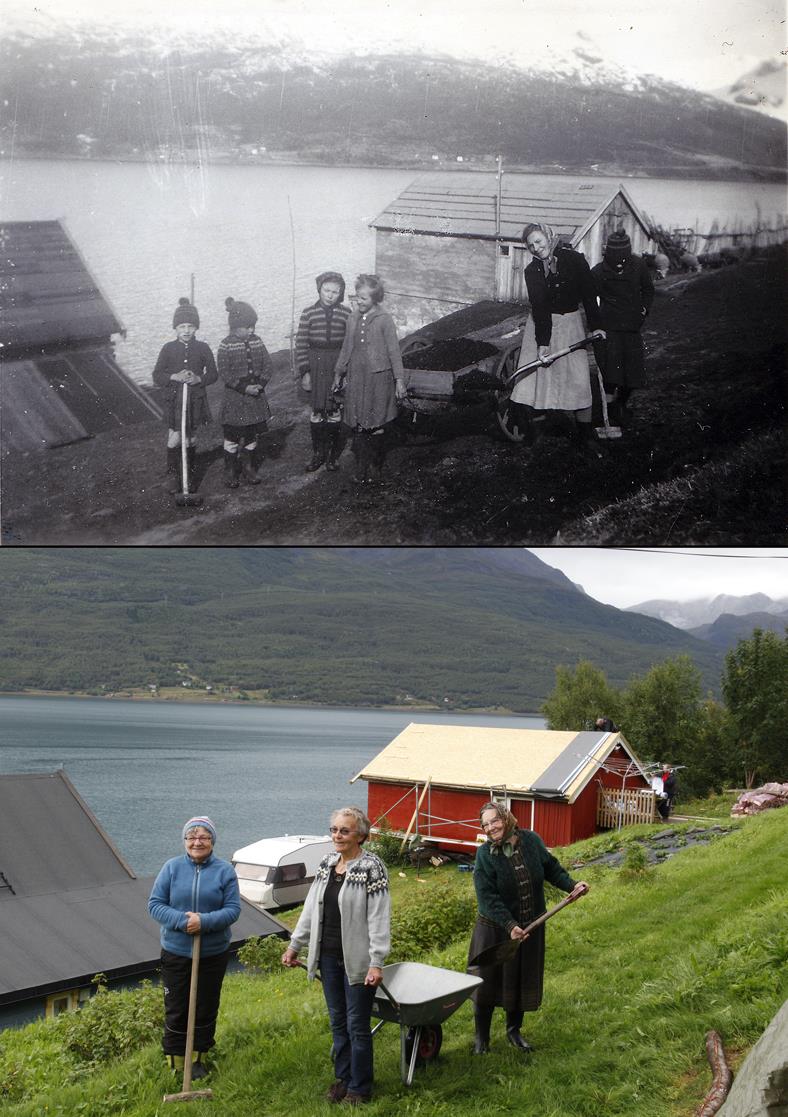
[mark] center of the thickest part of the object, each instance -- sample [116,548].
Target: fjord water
[145,767]
[262,233]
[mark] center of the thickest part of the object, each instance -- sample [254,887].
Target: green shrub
[388,847]
[113,1023]
[262,953]
[635,865]
[430,920]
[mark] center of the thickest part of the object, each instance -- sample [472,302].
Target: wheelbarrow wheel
[429,1043]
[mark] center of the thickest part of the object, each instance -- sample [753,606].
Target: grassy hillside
[636,974]
[316,624]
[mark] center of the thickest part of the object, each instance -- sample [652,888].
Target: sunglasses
[341,830]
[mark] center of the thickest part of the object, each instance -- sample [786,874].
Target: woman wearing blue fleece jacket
[196,893]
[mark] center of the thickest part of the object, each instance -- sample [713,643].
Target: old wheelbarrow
[419,998]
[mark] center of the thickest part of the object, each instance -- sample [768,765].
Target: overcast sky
[702,43]
[624,577]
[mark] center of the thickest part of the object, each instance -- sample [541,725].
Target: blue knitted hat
[203,821]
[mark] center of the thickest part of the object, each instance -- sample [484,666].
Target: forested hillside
[456,627]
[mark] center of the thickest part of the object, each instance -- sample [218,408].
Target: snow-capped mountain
[763,88]
[706,610]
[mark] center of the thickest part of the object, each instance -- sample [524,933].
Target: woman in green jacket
[509,875]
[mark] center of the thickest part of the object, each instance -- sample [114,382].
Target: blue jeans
[350,1012]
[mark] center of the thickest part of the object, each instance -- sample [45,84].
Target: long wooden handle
[532,366]
[187,1058]
[184,468]
[570,899]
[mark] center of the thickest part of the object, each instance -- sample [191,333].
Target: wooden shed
[60,381]
[453,239]
[563,785]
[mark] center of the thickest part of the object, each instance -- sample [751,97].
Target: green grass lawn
[636,974]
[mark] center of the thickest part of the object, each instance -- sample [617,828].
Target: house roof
[62,939]
[463,204]
[535,762]
[48,295]
[70,906]
[61,398]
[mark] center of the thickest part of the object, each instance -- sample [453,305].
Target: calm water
[144,229]
[144,768]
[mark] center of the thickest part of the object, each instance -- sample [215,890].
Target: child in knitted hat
[184,362]
[625,291]
[245,367]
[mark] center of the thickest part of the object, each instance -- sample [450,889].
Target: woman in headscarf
[509,875]
[558,281]
[321,331]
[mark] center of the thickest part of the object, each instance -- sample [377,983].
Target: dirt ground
[701,460]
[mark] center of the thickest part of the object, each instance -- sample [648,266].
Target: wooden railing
[617,807]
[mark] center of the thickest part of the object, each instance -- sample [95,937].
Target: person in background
[509,875]
[321,331]
[370,366]
[346,926]
[606,725]
[625,290]
[558,281]
[669,789]
[185,360]
[195,893]
[245,367]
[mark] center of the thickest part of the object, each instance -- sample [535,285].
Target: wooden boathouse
[59,379]
[563,785]
[454,238]
[71,907]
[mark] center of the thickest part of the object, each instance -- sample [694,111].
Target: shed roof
[67,917]
[535,762]
[48,295]
[57,399]
[463,204]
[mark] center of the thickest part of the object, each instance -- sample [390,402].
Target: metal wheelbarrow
[419,998]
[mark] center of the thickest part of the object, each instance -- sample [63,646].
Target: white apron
[564,385]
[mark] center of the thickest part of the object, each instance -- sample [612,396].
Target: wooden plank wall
[617,807]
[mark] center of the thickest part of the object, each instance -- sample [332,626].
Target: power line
[693,554]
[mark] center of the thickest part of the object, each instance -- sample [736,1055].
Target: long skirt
[322,363]
[515,986]
[566,384]
[622,359]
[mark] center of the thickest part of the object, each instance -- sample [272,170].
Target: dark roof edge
[105,836]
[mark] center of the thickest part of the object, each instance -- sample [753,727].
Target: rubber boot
[586,441]
[482,1019]
[174,469]
[377,455]
[333,440]
[199,1069]
[230,470]
[175,1063]
[514,1021]
[191,472]
[318,432]
[248,470]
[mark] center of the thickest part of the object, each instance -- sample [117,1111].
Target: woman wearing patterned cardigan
[346,926]
[509,875]
[321,331]
[245,367]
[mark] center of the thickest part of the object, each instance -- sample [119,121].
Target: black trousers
[176,976]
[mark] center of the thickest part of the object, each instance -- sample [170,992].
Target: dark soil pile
[701,462]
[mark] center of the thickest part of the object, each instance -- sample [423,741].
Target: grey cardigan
[365,911]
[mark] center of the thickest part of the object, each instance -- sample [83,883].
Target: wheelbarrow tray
[425,995]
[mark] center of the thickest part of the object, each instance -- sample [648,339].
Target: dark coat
[560,292]
[175,357]
[625,297]
[496,884]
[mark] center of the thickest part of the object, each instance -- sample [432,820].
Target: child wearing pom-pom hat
[184,361]
[245,366]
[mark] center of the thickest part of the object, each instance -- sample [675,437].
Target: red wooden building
[563,785]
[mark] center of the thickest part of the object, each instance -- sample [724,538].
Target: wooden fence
[616,807]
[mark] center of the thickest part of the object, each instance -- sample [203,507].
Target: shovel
[606,431]
[526,370]
[185,499]
[501,952]
[187,1094]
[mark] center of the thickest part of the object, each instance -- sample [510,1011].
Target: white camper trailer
[278,871]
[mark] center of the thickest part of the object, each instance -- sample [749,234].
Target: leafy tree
[662,710]
[580,697]
[753,685]
[709,756]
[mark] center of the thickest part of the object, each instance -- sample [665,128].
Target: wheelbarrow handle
[394,1004]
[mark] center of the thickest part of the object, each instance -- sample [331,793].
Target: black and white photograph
[433,274]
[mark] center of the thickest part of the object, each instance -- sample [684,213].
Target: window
[263,873]
[287,874]
[58,1003]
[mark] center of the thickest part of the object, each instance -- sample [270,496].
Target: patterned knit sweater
[320,328]
[242,363]
[365,911]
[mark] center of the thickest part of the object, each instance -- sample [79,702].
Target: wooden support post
[415,814]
